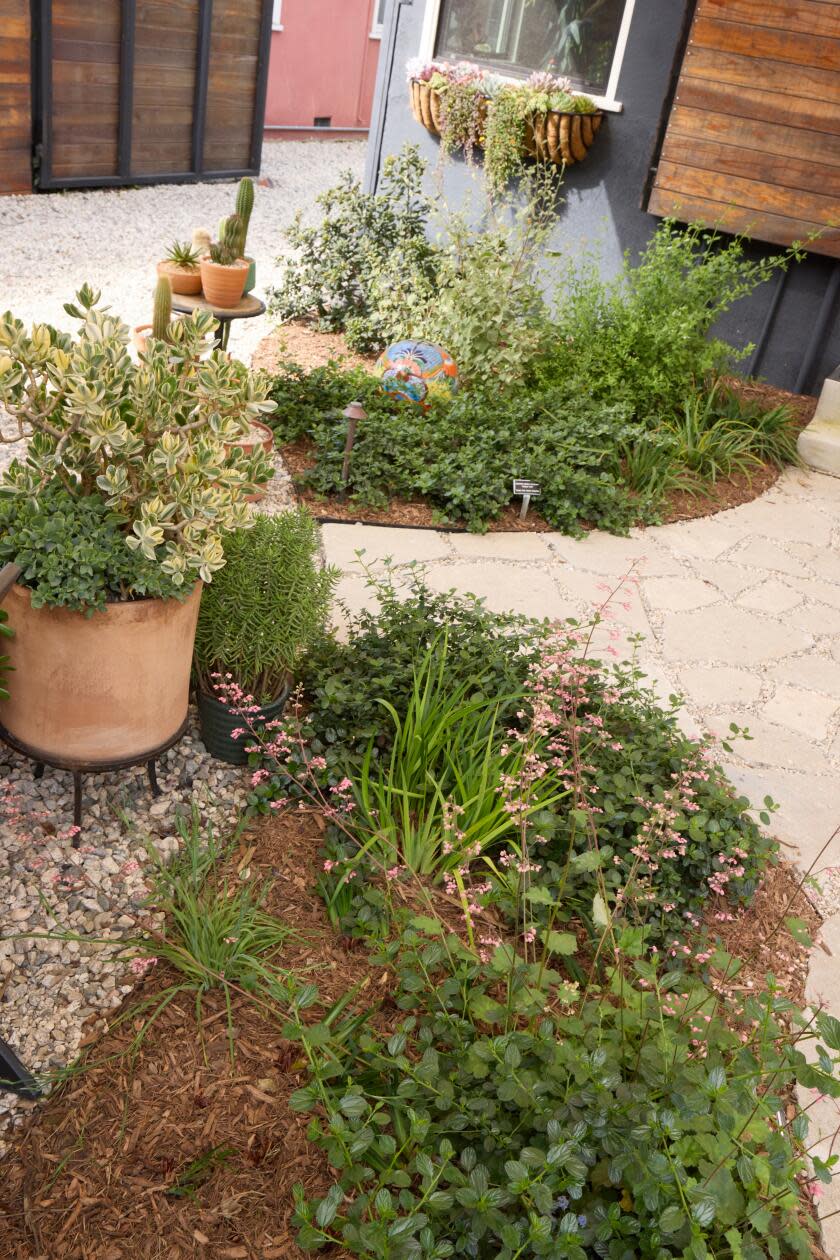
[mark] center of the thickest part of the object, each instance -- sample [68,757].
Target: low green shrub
[509,1117]
[646,336]
[73,553]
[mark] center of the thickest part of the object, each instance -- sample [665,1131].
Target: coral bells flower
[139,966]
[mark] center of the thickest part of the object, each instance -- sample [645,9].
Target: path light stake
[354,412]
[528,490]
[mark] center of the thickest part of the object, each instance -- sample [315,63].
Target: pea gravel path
[51,244]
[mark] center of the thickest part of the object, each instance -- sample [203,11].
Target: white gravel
[51,243]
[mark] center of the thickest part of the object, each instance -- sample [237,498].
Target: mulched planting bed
[295,342]
[92,1174]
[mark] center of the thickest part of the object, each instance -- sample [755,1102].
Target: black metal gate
[148,91]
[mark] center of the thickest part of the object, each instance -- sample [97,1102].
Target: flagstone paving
[740,615]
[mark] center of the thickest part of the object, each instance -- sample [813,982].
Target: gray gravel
[53,992]
[52,243]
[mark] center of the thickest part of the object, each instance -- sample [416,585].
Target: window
[376,29]
[582,39]
[277,16]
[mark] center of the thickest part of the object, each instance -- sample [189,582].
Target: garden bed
[92,1174]
[298,343]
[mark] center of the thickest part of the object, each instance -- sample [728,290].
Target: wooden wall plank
[15,98]
[753,140]
[164,87]
[231,85]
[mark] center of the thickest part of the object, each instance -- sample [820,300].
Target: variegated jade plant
[153,439]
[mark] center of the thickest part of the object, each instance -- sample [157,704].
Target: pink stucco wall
[323,64]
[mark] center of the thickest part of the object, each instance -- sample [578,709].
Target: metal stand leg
[14,1078]
[77,804]
[152,771]
[39,770]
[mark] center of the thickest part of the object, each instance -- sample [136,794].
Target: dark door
[149,91]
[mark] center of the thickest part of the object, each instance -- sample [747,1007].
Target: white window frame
[277,16]
[608,101]
[377,28]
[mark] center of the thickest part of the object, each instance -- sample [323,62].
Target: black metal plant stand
[78,768]
[14,1077]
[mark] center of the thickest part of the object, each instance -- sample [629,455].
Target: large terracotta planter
[223,286]
[182,279]
[102,689]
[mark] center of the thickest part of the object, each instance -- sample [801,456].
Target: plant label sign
[528,490]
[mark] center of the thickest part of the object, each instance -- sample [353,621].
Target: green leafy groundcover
[596,463]
[639,1122]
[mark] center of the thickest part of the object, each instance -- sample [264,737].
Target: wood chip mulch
[309,348]
[90,1176]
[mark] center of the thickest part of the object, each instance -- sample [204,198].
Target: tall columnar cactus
[162,309]
[244,205]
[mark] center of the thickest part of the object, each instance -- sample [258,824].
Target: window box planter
[562,138]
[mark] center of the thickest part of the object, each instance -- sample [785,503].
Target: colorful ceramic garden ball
[416,371]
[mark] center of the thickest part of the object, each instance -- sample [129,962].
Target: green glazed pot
[252,274]
[218,724]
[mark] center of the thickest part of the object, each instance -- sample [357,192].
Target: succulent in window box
[543,118]
[223,269]
[181,266]
[138,461]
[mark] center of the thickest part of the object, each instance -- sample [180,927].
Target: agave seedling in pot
[224,270]
[264,610]
[181,266]
[133,471]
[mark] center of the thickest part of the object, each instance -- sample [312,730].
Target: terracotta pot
[223,286]
[260,435]
[102,689]
[182,279]
[139,336]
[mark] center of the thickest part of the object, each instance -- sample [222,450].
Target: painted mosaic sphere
[417,372]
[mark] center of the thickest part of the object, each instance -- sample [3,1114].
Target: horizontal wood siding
[231,83]
[753,140]
[15,98]
[84,118]
[165,49]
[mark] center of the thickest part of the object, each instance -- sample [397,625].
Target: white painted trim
[276,16]
[607,102]
[377,28]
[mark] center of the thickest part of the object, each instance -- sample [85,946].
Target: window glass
[566,37]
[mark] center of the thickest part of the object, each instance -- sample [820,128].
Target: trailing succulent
[154,440]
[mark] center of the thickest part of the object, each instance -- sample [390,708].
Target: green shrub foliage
[72,552]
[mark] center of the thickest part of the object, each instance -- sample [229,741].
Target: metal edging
[14,1077]
[128,21]
[202,67]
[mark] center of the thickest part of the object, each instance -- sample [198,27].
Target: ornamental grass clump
[154,440]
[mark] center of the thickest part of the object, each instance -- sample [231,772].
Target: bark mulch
[102,1170]
[298,343]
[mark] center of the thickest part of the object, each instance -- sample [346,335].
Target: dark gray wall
[604,194]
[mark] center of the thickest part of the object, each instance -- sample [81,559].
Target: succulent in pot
[244,208]
[223,269]
[264,610]
[161,317]
[116,515]
[182,267]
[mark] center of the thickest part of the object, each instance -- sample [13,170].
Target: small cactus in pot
[161,317]
[223,269]
[244,206]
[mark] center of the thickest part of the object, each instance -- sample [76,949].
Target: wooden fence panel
[15,98]
[753,140]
